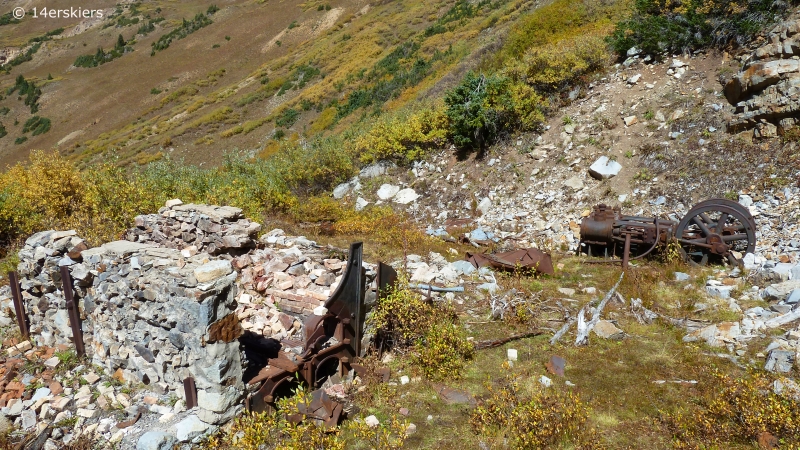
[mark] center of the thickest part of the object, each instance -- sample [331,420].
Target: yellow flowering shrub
[532,418]
[438,345]
[404,136]
[553,68]
[738,410]
[272,431]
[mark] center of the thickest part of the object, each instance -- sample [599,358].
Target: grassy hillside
[305,103]
[194,79]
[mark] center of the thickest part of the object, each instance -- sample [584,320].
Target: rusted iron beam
[19,306]
[72,310]
[387,278]
[190,390]
[347,301]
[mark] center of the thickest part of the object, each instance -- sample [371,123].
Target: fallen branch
[584,328]
[562,330]
[481,345]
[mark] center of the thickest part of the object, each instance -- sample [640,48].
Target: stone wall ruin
[180,297]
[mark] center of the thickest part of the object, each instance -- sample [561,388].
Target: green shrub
[29,90]
[660,26]
[483,106]
[273,430]
[101,201]
[460,12]
[101,57]
[299,78]
[38,125]
[187,27]
[313,167]
[442,350]
[553,69]
[148,27]
[254,431]
[400,69]
[8,18]
[27,55]
[287,118]
[557,21]
[403,319]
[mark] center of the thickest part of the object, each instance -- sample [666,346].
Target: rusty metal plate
[530,258]
[556,365]
[225,330]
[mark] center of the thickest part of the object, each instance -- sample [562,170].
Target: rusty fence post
[19,306]
[72,309]
[190,390]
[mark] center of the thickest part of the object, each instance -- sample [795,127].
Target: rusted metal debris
[321,408]
[332,342]
[556,365]
[453,396]
[131,422]
[715,227]
[72,309]
[527,258]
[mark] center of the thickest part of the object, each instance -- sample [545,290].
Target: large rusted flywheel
[717,227]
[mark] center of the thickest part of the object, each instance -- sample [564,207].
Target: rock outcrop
[766,91]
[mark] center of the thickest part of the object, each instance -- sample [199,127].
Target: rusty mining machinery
[715,228]
[330,346]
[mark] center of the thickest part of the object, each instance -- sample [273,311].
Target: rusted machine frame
[19,306]
[605,226]
[342,324]
[72,310]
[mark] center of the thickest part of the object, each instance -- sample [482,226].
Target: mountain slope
[224,85]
